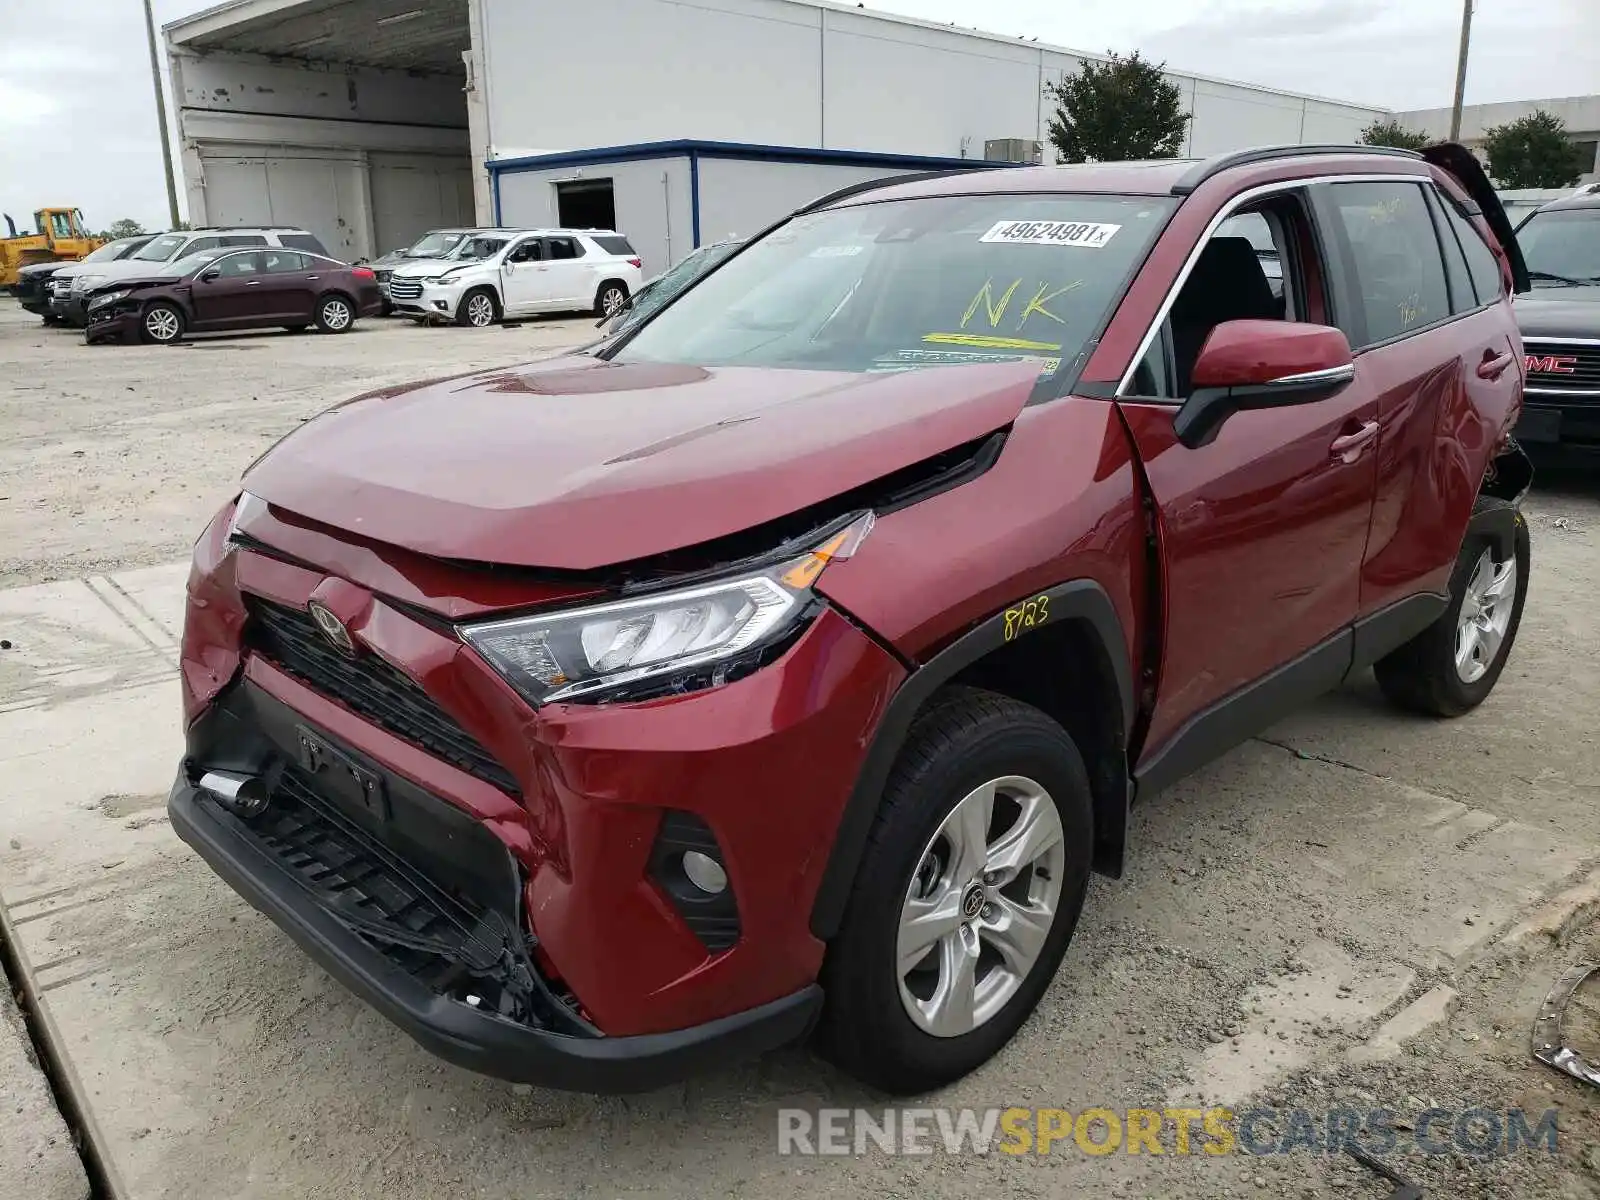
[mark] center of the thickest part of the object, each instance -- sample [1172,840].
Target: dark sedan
[34,283]
[234,289]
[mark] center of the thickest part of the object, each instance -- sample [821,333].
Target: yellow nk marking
[1041,298]
[985,298]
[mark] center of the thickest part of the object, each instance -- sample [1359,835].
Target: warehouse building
[369,121]
[1580,114]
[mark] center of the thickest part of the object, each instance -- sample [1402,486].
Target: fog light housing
[687,865]
[440,305]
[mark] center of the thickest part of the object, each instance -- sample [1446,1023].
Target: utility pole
[1461,70]
[161,116]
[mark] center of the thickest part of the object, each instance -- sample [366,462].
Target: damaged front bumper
[430,938]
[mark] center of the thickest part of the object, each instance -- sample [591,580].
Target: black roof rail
[868,185]
[1204,170]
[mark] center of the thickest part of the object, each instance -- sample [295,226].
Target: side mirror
[1261,364]
[210,276]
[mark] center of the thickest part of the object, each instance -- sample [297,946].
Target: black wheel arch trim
[1081,600]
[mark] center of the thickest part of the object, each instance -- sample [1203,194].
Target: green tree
[1389,132]
[126,227]
[1121,109]
[1533,152]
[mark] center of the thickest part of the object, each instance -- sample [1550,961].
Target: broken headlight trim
[584,654]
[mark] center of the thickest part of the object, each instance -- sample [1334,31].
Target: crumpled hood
[418,268]
[576,463]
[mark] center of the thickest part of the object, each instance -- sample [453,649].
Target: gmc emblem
[1552,364]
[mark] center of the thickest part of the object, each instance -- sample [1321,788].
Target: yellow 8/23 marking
[1026,615]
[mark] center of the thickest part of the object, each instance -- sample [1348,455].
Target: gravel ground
[116,455]
[1355,910]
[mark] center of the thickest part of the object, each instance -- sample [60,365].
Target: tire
[965,741]
[1423,675]
[608,301]
[473,312]
[335,313]
[161,324]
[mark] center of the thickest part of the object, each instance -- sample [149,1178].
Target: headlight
[692,636]
[247,506]
[108,298]
[440,279]
[82,283]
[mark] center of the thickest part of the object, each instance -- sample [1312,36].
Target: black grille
[1564,366]
[368,686]
[444,941]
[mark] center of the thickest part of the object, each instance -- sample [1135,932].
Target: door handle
[1348,448]
[252,283]
[312,278]
[1493,366]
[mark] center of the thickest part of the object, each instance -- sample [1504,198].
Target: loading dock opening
[586,204]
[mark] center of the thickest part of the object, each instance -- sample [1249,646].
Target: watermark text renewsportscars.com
[1469,1129]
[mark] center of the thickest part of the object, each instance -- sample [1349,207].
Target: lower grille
[402,288]
[445,942]
[288,638]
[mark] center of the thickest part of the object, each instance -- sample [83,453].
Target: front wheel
[335,314]
[1451,666]
[161,324]
[479,309]
[966,897]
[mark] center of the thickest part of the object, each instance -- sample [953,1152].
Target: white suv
[520,272]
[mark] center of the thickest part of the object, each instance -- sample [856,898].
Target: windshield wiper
[1564,279]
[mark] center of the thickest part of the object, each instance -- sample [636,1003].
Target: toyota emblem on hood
[332,628]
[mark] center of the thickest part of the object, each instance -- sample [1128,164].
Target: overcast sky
[77,117]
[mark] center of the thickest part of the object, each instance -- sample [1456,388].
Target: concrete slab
[37,1158]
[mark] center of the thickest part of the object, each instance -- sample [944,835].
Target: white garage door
[319,193]
[413,193]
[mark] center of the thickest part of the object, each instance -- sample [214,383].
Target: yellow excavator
[59,236]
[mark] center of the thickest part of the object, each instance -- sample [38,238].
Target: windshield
[162,248]
[674,279]
[434,245]
[193,262]
[109,251]
[911,283]
[1562,247]
[479,247]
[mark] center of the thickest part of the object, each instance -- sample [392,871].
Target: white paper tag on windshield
[1090,234]
[836,251]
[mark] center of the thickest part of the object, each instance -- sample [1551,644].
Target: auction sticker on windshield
[1091,234]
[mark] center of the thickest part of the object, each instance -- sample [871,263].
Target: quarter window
[1399,271]
[1482,265]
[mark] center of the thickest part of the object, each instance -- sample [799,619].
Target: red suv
[790,660]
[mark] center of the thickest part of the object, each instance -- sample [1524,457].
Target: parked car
[520,273]
[233,289]
[1560,323]
[34,283]
[793,658]
[435,245]
[168,248]
[658,292]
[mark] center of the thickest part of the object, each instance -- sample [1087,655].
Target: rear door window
[562,247]
[1395,258]
[280,262]
[304,241]
[1482,265]
[1463,296]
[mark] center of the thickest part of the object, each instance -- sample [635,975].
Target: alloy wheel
[161,324]
[1486,609]
[336,314]
[480,310]
[612,300]
[980,906]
